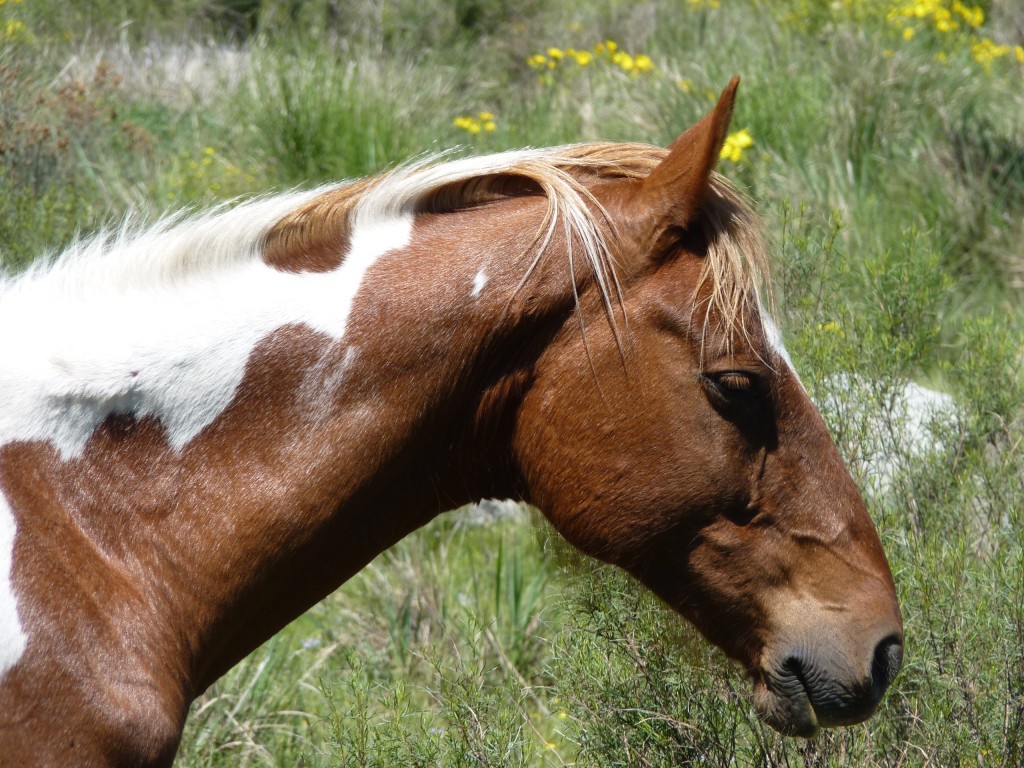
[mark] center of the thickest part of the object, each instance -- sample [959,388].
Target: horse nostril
[829,691]
[887,662]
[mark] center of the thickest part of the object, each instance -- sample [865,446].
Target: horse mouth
[797,698]
[782,702]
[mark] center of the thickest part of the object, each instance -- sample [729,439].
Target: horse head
[678,442]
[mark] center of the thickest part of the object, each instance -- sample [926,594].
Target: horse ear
[674,190]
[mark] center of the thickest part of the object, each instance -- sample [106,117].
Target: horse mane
[319,222]
[736,267]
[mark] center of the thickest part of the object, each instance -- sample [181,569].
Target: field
[883,144]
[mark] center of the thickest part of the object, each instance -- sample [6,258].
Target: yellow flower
[624,60]
[908,33]
[611,46]
[537,61]
[469,124]
[1018,52]
[643,63]
[973,16]
[556,53]
[484,121]
[734,145]
[583,58]
[944,21]
[209,151]
[922,9]
[16,30]
[986,50]
[686,86]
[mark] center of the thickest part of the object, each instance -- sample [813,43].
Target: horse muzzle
[806,690]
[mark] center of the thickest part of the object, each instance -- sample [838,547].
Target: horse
[209,423]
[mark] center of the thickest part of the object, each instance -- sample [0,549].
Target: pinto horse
[207,426]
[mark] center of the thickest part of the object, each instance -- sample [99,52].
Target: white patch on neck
[324,379]
[96,335]
[176,350]
[12,637]
[479,281]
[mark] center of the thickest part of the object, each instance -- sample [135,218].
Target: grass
[889,167]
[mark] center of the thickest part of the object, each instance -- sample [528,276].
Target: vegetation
[883,141]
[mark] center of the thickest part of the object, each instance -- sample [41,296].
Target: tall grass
[889,166]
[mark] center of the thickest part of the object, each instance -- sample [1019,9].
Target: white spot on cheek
[478,283]
[774,338]
[12,638]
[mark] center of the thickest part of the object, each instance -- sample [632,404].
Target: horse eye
[742,515]
[734,382]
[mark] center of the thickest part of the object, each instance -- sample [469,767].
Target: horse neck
[410,414]
[329,449]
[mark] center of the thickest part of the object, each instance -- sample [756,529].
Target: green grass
[889,167]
